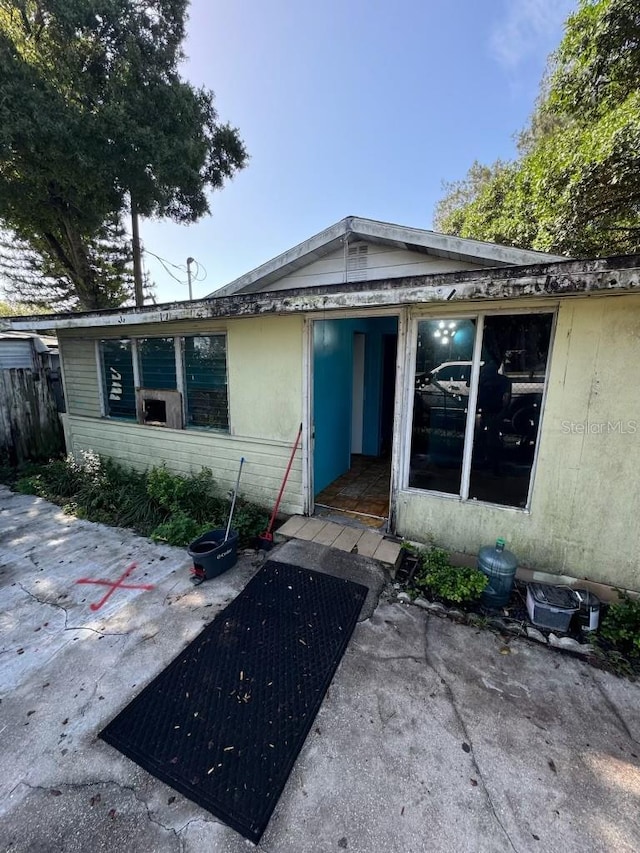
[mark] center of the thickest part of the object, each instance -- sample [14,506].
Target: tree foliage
[16,309]
[94,114]
[35,280]
[575,188]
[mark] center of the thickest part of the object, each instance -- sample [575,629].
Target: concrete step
[352,540]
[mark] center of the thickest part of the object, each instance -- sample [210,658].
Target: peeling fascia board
[606,276]
[292,259]
[449,246]
[443,245]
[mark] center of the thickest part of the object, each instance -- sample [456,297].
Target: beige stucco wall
[264,358]
[584,518]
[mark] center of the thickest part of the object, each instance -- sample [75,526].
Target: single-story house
[463,390]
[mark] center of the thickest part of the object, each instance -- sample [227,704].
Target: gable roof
[384,233]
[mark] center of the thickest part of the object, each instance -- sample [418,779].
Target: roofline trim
[569,278]
[363,228]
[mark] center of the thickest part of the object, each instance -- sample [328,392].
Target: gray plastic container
[212,555]
[550,606]
[499,565]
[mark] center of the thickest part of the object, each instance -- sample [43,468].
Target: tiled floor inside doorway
[363,489]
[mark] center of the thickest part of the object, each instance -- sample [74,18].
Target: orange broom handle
[284,482]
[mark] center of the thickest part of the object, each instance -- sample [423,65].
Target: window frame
[181,380]
[138,371]
[102,386]
[465,475]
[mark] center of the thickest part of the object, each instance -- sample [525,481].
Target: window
[475,425]
[117,377]
[157,363]
[205,375]
[194,385]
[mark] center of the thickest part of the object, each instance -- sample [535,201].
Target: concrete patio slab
[433,736]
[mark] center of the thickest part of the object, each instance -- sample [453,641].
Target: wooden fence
[30,427]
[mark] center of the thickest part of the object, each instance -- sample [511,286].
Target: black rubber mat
[224,722]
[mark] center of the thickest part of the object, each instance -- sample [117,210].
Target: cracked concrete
[433,736]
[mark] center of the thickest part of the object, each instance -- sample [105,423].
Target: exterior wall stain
[586,497]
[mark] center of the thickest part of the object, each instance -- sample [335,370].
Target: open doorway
[354,371]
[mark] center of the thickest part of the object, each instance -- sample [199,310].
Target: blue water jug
[499,565]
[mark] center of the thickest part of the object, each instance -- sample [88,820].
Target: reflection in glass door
[515,350]
[441,395]
[475,425]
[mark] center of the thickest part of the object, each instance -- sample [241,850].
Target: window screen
[117,371]
[157,363]
[205,368]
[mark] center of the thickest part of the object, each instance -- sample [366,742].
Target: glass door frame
[409,396]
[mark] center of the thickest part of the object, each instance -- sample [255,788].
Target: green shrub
[157,503]
[64,477]
[434,559]
[128,503]
[439,578]
[180,529]
[621,626]
[249,520]
[195,495]
[28,485]
[10,474]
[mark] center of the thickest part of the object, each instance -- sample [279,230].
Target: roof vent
[357,257]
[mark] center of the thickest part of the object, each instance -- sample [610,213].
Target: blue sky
[350,108]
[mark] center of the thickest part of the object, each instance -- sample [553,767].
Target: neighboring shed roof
[42,343]
[383,233]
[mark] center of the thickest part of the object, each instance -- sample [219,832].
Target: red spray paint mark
[119,584]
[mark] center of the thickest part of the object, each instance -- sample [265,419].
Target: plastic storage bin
[550,606]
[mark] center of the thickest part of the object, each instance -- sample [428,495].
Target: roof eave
[565,279]
[444,245]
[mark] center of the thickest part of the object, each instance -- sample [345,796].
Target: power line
[200,275]
[164,260]
[166,264]
[197,275]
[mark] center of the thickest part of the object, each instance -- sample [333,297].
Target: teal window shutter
[157,358]
[205,369]
[117,372]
